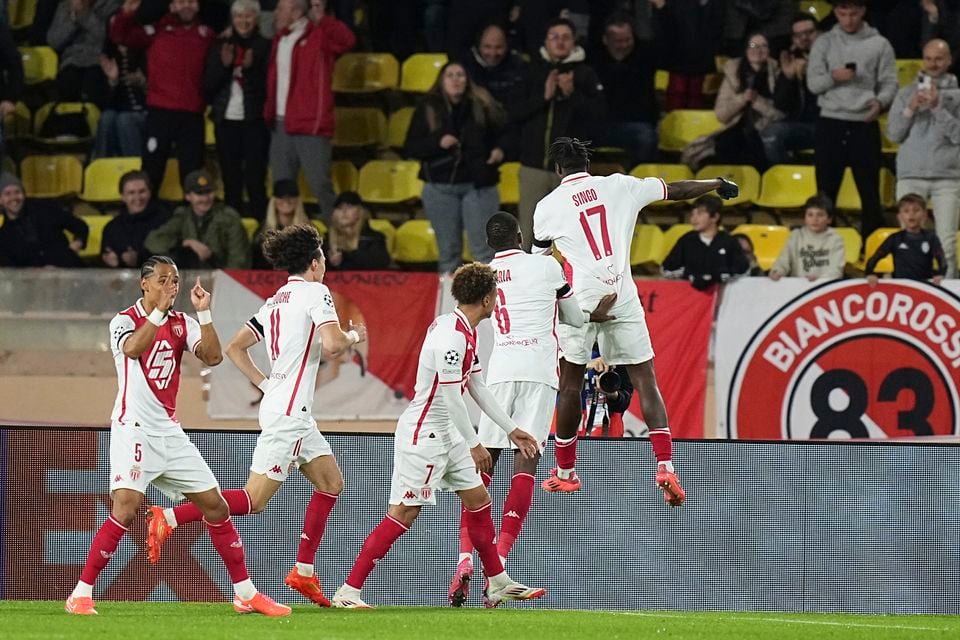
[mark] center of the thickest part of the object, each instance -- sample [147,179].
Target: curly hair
[472,282]
[292,248]
[503,231]
[570,154]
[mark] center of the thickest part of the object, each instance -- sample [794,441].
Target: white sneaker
[512,591]
[347,597]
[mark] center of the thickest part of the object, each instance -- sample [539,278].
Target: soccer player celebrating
[522,375]
[435,445]
[291,321]
[148,445]
[591,220]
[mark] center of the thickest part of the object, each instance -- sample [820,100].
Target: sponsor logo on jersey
[409,495]
[276,469]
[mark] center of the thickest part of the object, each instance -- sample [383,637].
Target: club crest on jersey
[452,357]
[178,330]
[135,472]
[425,493]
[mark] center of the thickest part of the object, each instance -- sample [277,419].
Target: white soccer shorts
[286,442]
[171,463]
[530,404]
[625,340]
[420,470]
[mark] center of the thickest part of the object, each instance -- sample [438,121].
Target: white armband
[156,317]
[354,336]
[204,317]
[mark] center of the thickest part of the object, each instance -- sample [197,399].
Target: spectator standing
[690,37]
[11,77]
[235,82]
[77,34]
[925,120]
[284,209]
[454,132]
[203,234]
[797,131]
[562,97]
[814,250]
[706,255]
[917,254]
[351,244]
[32,232]
[121,125]
[627,73]
[123,237]
[299,104]
[176,46]
[852,70]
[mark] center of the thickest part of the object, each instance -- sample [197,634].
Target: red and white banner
[841,359]
[374,381]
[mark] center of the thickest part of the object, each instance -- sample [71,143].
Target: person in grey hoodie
[852,71]
[814,250]
[925,120]
[77,33]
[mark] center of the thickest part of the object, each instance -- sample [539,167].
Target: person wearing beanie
[284,209]
[351,245]
[32,234]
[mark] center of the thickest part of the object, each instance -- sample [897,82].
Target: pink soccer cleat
[460,584]
[673,493]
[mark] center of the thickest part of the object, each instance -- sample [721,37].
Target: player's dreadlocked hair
[150,265]
[570,154]
[503,231]
[472,282]
[293,248]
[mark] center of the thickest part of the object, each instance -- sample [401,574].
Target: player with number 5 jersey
[296,324]
[591,220]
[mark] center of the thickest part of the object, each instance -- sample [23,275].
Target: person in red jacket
[299,106]
[176,46]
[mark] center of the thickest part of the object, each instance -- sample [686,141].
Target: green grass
[174,621]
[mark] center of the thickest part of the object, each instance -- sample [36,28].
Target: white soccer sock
[666,464]
[350,592]
[82,590]
[465,556]
[564,474]
[245,589]
[170,517]
[500,580]
[305,569]
[503,561]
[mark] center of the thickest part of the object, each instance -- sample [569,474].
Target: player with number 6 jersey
[295,324]
[147,443]
[591,220]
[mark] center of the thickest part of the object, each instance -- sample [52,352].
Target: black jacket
[433,118]
[36,238]
[542,121]
[691,31]
[218,79]
[11,66]
[916,256]
[629,86]
[129,231]
[704,265]
[371,253]
[793,98]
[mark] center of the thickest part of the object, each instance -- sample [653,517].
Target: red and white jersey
[288,324]
[591,220]
[448,356]
[148,385]
[525,345]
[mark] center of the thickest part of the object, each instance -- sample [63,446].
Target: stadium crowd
[520,73]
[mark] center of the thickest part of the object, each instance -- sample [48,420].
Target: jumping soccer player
[436,447]
[290,323]
[591,220]
[148,445]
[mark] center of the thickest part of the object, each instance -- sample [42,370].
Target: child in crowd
[707,255]
[917,252]
[814,250]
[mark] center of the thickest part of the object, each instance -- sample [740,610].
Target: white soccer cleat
[347,597]
[511,591]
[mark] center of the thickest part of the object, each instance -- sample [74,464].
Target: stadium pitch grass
[30,620]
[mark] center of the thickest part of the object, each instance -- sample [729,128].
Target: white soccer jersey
[591,220]
[288,324]
[448,356]
[525,320]
[148,385]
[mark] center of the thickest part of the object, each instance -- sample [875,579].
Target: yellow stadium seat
[907,70]
[365,72]
[670,238]
[171,189]
[848,199]
[768,241]
[306,193]
[647,245]
[17,123]
[397,126]
[51,176]
[359,127]
[680,127]
[420,71]
[509,185]
[20,13]
[747,177]
[873,243]
[852,243]
[661,79]
[93,114]
[388,230]
[250,225]
[209,130]
[416,243]
[887,145]
[668,173]
[101,178]
[95,239]
[787,186]
[321,227]
[39,64]
[819,9]
[390,181]
[344,175]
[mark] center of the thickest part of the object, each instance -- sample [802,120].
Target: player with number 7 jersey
[591,220]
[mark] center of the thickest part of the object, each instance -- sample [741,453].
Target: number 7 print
[604,234]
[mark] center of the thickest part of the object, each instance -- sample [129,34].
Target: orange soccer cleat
[673,493]
[556,484]
[80,606]
[307,586]
[158,530]
[260,604]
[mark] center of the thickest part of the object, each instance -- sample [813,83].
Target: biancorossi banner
[838,359]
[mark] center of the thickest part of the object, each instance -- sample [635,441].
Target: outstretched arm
[686,189]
